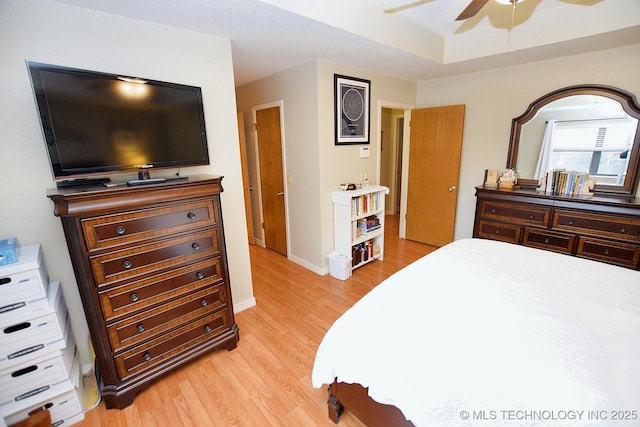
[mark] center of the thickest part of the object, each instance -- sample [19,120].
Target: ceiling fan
[471,10]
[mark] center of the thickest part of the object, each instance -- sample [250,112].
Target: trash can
[339,265]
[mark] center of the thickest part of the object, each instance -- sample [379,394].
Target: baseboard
[251,302]
[318,270]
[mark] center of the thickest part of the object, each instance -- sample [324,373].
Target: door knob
[280,193]
[452,188]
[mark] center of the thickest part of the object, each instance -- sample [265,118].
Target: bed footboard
[355,399]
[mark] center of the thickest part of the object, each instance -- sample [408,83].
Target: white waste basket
[339,265]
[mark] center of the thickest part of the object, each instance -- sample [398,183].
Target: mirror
[588,128]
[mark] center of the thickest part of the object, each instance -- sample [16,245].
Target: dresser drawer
[125,228]
[499,231]
[549,240]
[156,290]
[159,320]
[619,253]
[608,226]
[521,213]
[164,348]
[145,259]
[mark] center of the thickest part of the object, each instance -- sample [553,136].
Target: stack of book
[368,224]
[560,182]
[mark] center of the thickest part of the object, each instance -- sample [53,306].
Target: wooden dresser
[151,267]
[606,229]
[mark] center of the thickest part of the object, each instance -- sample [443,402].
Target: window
[599,147]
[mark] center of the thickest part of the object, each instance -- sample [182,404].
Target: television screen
[98,123]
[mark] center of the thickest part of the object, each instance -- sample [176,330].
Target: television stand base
[146,181]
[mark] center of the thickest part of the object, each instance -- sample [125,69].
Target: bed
[482,332]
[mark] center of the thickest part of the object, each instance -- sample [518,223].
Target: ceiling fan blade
[407,6]
[471,10]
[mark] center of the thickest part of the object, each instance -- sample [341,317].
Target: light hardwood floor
[266,380]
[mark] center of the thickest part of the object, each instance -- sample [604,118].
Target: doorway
[391,145]
[402,115]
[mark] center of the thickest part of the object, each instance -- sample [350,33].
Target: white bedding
[513,335]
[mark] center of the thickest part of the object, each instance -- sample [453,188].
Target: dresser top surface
[586,200]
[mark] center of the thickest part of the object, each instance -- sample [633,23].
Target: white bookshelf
[352,207]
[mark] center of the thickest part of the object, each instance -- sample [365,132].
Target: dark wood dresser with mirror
[603,225]
[151,268]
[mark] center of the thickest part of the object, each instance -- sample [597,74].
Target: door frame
[254,132]
[405,156]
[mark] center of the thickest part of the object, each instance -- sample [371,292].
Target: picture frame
[351,110]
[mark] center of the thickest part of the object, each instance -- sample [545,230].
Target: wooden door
[246,185]
[434,169]
[269,139]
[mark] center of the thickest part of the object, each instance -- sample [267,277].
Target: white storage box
[30,339]
[37,376]
[339,265]
[23,286]
[63,400]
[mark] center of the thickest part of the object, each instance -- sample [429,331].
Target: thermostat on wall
[364,152]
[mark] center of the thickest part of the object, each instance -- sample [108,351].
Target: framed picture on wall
[351,110]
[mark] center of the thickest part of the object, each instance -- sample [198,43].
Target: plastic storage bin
[339,265]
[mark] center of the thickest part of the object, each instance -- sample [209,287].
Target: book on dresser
[358,218]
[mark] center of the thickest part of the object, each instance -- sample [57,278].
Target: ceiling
[421,43]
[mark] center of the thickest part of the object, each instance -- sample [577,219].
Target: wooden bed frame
[355,398]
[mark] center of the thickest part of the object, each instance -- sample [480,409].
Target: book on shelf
[361,252]
[365,203]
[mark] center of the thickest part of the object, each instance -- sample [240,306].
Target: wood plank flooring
[266,380]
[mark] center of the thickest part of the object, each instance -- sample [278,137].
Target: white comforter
[488,333]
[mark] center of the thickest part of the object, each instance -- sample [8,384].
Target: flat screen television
[97,124]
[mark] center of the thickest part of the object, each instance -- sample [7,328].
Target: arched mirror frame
[630,106]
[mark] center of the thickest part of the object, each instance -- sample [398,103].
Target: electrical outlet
[362,175]
[289,179]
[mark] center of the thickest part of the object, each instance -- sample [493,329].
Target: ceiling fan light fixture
[511,2]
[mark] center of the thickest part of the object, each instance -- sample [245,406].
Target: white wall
[495,97]
[45,31]
[316,165]
[340,164]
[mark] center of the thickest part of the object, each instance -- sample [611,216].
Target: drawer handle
[191,215]
[127,264]
[140,328]
[531,217]
[147,356]
[623,230]
[199,275]
[195,246]
[570,222]
[606,251]
[207,328]
[497,231]
[121,230]
[134,297]
[494,210]
[546,240]
[204,303]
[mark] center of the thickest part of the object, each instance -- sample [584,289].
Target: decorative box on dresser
[601,228]
[151,268]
